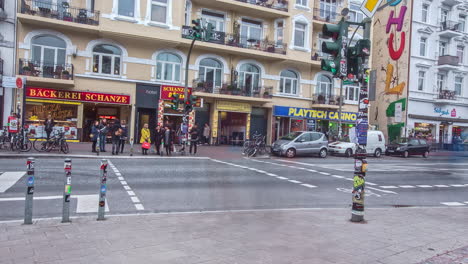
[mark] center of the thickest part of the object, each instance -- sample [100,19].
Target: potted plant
[65,75]
[230,89]
[26,71]
[266,94]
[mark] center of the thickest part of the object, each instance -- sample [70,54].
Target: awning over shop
[439,118]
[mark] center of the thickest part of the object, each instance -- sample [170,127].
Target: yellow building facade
[119,59]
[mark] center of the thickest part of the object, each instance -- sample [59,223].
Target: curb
[12,156]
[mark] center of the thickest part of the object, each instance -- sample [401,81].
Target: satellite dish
[344,11]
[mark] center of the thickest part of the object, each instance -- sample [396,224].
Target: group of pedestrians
[164,138]
[118,131]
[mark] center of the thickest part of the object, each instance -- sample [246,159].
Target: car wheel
[377,153]
[405,154]
[323,153]
[291,153]
[426,154]
[348,153]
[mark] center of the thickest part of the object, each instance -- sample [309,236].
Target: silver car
[301,143]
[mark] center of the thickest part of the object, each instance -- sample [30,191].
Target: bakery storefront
[291,119]
[73,111]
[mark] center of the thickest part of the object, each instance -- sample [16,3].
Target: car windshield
[400,141]
[291,136]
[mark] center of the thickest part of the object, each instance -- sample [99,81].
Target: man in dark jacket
[123,136]
[193,139]
[158,139]
[103,129]
[116,132]
[49,124]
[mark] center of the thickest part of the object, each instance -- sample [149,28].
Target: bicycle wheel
[50,146]
[39,146]
[251,151]
[25,146]
[64,147]
[245,146]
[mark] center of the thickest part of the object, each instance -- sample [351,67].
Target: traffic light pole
[185,119]
[340,109]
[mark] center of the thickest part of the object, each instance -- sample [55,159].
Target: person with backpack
[193,139]
[123,136]
[116,131]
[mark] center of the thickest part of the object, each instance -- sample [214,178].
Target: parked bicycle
[20,141]
[255,146]
[57,142]
[4,139]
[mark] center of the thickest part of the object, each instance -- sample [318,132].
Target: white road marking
[120,178]
[126,187]
[452,203]
[371,183]
[389,187]
[294,181]
[466,202]
[88,203]
[338,176]
[133,197]
[311,170]
[406,186]
[9,178]
[441,186]
[324,173]
[281,178]
[139,207]
[384,191]
[118,174]
[457,185]
[308,185]
[131,193]
[424,186]
[124,182]
[271,174]
[9,199]
[349,179]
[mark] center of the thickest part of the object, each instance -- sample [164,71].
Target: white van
[375,143]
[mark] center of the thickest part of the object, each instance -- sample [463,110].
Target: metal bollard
[131,146]
[98,143]
[102,190]
[28,207]
[359,183]
[67,191]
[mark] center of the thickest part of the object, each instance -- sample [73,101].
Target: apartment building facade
[86,59]
[438,85]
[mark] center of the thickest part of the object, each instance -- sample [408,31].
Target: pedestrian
[193,139]
[103,129]
[145,138]
[168,140]
[158,139]
[116,132]
[94,134]
[206,134]
[49,124]
[123,136]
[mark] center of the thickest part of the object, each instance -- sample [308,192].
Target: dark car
[408,146]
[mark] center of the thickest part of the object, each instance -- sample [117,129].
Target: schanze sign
[34,92]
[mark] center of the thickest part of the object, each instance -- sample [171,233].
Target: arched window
[48,50]
[211,72]
[249,78]
[168,67]
[288,82]
[107,59]
[324,87]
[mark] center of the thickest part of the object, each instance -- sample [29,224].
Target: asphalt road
[187,185]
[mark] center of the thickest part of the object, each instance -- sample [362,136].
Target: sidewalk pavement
[290,236]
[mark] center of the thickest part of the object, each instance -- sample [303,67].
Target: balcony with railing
[448,62]
[41,72]
[269,9]
[328,16]
[445,96]
[239,41]
[227,90]
[281,5]
[450,29]
[326,100]
[60,11]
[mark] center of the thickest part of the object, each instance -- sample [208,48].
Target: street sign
[369,7]
[9,82]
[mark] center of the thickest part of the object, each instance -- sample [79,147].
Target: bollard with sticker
[131,146]
[102,190]
[28,206]
[359,183]
[67,191]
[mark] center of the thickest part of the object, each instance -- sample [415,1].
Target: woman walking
[168,140]
[158,139]
[94,134]
[145,138]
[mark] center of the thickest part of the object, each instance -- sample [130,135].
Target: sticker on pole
[369,7]
[30,180]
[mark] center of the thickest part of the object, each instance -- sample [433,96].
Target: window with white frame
[460,53]
[279,32]
[188,10]
[443,48]
[458,85]
[352,94]
[48,51]
[126,8]
[251,31]
[159,10]
[301,2]
[421,79]
[356,16]
[300,34]
[422,46]
[324,86]
[440,82]
[107,59]
[328,9]
[211,72]
[216,19]
[462,22]
[444,15]
[424,12]
[168,67]
[288,82]
[249,77]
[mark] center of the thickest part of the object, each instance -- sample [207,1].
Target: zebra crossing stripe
[457,185]
[453,204]
[406,186]
[389,187]
[308,185]
[424,186]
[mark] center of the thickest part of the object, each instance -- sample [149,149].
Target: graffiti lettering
[396,54]
[398,20]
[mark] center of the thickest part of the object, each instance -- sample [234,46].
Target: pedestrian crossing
[436,186]
[8,179]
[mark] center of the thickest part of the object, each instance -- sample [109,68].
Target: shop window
[168,67]
[249,77]
[48,51]
[211,72]
[288,82]
[107,59]
[65,115]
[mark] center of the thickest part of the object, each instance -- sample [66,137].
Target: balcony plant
[231,88]
[65,75]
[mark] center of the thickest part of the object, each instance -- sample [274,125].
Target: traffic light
[197,28]
[209,30]
[337,48]
[190,103]
[356,57]
[175,101]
